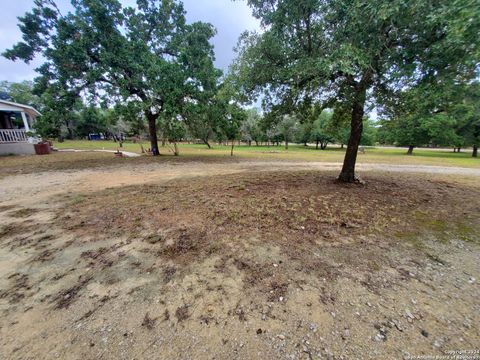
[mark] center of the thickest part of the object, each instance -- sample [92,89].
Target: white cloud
[230,18]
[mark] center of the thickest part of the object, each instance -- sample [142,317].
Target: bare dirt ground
[242,260]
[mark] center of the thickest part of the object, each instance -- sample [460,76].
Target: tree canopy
[355,53]
[439,114]
[146,54]
[21,92]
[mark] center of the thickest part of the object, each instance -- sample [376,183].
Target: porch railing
[13,135]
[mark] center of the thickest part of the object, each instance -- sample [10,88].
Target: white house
[16,120]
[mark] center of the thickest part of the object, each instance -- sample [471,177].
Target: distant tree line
[455,124]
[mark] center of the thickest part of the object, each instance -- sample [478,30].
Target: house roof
[6,105]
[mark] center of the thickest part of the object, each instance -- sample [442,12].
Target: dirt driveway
[32,187]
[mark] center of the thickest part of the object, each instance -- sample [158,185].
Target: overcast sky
[229,17]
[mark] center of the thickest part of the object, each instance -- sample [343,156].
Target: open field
[296,153]
[203,257]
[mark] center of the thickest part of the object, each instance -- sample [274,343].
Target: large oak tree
[146,54]
[355,52]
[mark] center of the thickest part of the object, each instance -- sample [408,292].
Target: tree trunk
[316,146]
[70,133]
[231,150]
[286,144]
[152,130]
[410,150]
[459,150]
[356,128]
[342,145]
[175,149]
[207,143]
[475,151]
[323,146]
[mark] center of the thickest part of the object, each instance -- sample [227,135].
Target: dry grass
[186,221]
[61,161]
[304,202]
[22,213]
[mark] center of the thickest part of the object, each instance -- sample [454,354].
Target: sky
[229,17]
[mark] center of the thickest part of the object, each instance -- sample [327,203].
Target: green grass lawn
[294,153]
